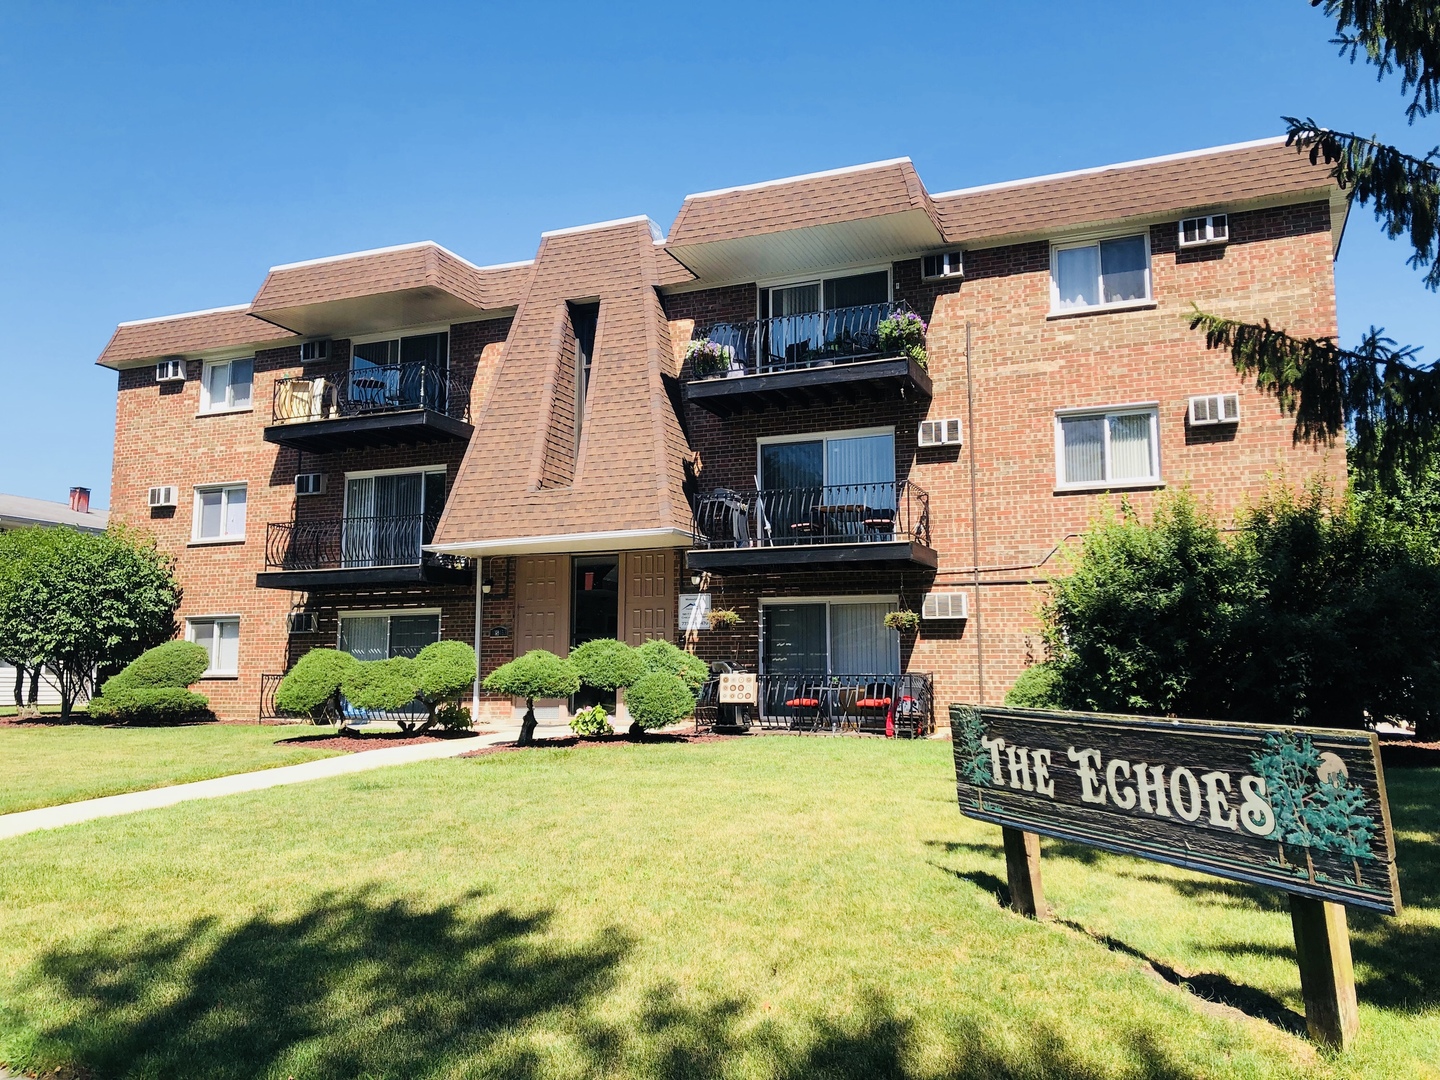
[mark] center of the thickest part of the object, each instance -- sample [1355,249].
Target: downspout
[479,612]
[974,523]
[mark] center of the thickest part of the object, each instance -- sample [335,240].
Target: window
[584,318]
[390,516]
[1104,449]
[225,386]
[219,513]
[398,373]
[1100,274]
[381,636]
[948,264]
[829,637]
[221,640]
[828,486]
[1214,229]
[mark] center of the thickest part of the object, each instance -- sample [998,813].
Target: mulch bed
[1408,754]
[376,741]
[573,741]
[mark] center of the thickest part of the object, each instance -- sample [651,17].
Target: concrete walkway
[53,817]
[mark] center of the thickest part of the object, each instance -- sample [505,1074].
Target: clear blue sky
[158,158]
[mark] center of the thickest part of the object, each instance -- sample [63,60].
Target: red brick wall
[1025,365]
[161,439]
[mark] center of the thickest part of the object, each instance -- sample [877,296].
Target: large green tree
[1376,393]
[83,604]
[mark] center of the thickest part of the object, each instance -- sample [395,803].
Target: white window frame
[828,601]
[387,614]
[208,406]
[225,489]
[1070,244]
[214,621]
[1147,408]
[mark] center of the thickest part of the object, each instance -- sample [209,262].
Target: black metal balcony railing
[890,512]
[877,704]
[354,543]
[793,342]
[368,391]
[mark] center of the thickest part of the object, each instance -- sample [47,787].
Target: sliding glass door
[832,637]
[828,489]
[388,518]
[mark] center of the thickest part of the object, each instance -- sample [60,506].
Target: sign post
[1298,809]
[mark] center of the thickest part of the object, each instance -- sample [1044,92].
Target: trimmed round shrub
[659,655]
[1038,687]
[445,670]
[453,717]
[173,664]
[607,664]
[381,684]
[537,674]
[313,681]
[149,705]
[659,700]
[591,722]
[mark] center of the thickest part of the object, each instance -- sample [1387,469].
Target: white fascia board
[621,540]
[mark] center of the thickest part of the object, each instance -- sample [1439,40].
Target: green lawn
[46,765]
[766,907]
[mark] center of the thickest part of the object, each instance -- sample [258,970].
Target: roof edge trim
[187,315]
[602,225]
[842,171]
[412,246]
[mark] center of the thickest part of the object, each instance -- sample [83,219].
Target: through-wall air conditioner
[1196,231]
[301,622]
[310,483]
[945,605]
[163,496]
[940,433]
[170,371]
[1207,410]
[943,265]
[313,351]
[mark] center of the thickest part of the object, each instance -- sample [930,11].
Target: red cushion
[803,703]
[873,702]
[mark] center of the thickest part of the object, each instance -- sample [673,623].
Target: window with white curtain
[829,637]
[1107,448]
[219,512]
[381,636]
[226,385]
[220,637]
[1097,274]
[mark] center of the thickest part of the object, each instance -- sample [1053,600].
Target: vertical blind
[830,639]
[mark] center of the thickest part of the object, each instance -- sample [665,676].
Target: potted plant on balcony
[711,359]
[905,621]
[903,334]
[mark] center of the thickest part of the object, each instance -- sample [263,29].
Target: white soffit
[381,311]
[573,543]
[816,247]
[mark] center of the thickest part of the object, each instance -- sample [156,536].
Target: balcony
[815,358]
[840,525]
[340,553]
[397,405]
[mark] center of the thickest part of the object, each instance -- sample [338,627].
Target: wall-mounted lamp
[694,579]
[487,585]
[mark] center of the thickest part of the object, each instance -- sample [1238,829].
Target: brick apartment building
[397,445]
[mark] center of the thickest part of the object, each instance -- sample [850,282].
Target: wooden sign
[737,688]
[1299,809]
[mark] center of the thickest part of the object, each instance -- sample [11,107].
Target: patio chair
[803,704]
[876,704]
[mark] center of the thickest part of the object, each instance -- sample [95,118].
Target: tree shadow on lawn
[360,986]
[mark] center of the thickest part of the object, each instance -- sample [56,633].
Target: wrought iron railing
[366,391]
[886,512]
[897,705]
[791,342]
[354,543]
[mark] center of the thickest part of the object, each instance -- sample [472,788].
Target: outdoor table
[840,519]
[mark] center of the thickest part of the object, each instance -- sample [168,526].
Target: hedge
[659,655]
[445,671]
[607,664]
[313,681]
[659,700]
[381,684]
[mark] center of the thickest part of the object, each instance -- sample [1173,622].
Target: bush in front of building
[660,655]
[154,687]
[452,716]
[446,671]
[536,674]
[384,685]
[312,687]
[657,701]
[1038,687]
[592,722]
[607,664]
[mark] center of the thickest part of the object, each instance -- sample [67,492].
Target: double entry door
[389,517]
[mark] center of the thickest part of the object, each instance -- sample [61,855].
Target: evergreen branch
[1389,403]
[1401,35]
[1403,190]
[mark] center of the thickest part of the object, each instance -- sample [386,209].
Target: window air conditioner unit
[170,371]
[312,351]
[945,605]
[310,483]
[163,496]
[1207,410]
[301,622]
[1197,231]
[946,264]
[940,433]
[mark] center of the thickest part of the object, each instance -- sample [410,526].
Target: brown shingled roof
[134,343]
[1174,185]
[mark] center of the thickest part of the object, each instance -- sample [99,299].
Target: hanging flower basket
[906,622]
[722,619]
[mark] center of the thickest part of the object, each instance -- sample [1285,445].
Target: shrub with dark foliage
[153,688]
[660,655]
[658,700]
[312,686]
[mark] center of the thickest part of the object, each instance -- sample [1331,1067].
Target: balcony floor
[896,378]
[359,577]
[375,429]
[756,560]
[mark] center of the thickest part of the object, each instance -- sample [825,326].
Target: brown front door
[542,604]
[647,596]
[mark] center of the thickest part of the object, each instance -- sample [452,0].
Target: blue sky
[158,158]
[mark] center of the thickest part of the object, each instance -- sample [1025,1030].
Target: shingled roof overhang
[844,217]
[409,285]
[193,334]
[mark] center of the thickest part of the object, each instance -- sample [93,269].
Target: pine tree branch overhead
[1394,35]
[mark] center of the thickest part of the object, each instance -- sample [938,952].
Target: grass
[45,764]
[766,907]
